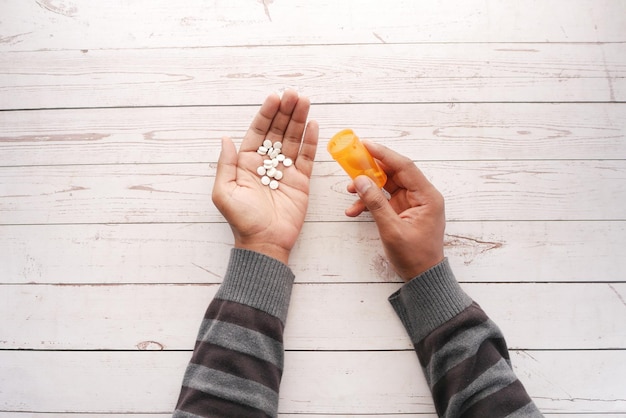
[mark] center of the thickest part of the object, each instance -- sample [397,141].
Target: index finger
[304,161]
[402,170]
[292,138]
[260,125]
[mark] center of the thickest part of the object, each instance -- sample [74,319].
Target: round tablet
[266,180]
[273,185]
[287,162]
[261,171]
[267,143]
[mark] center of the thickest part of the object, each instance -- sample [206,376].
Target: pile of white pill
[269,171]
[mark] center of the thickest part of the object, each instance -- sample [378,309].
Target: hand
[411,224]
[265,220]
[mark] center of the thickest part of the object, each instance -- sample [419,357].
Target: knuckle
[376,202]
[406,163]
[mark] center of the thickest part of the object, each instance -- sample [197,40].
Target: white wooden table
[110,248]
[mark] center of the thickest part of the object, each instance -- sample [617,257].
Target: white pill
[271,172]
[262,150]
[265,180]
[268,164]
[278,145]
[261,171]
[287,162]
[278,175]
[267,143]
[281,157]
[275,162]
[273,185]
[274,153]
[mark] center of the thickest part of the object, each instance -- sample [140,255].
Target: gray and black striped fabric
[462,352]
[237,363]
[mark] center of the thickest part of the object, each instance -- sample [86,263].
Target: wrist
[271,250]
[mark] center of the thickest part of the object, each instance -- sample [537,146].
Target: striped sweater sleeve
[237,362]
[462,352]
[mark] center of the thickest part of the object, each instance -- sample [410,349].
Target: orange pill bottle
[346,148]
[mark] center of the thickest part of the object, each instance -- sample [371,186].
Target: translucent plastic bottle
[346,148]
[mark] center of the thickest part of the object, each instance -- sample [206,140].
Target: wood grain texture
[180,193]
[80,24]
[314,382]
[110,119]
[356,317]
[342,74]
[341,252]
[464,131]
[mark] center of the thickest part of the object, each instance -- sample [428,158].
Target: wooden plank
[166,317]
[325,252]
[48,24]
[180,193]
[416,73]
[313,383]
[465,131]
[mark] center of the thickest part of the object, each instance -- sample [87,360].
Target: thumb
[226,167]
[375,201]
[227,161]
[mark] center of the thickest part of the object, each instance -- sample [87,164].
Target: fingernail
[362,183]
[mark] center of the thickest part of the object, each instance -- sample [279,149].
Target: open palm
[265,220]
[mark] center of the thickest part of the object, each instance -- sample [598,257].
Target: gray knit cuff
[429,300]
[258,281]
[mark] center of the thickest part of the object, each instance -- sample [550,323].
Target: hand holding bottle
[411,223]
